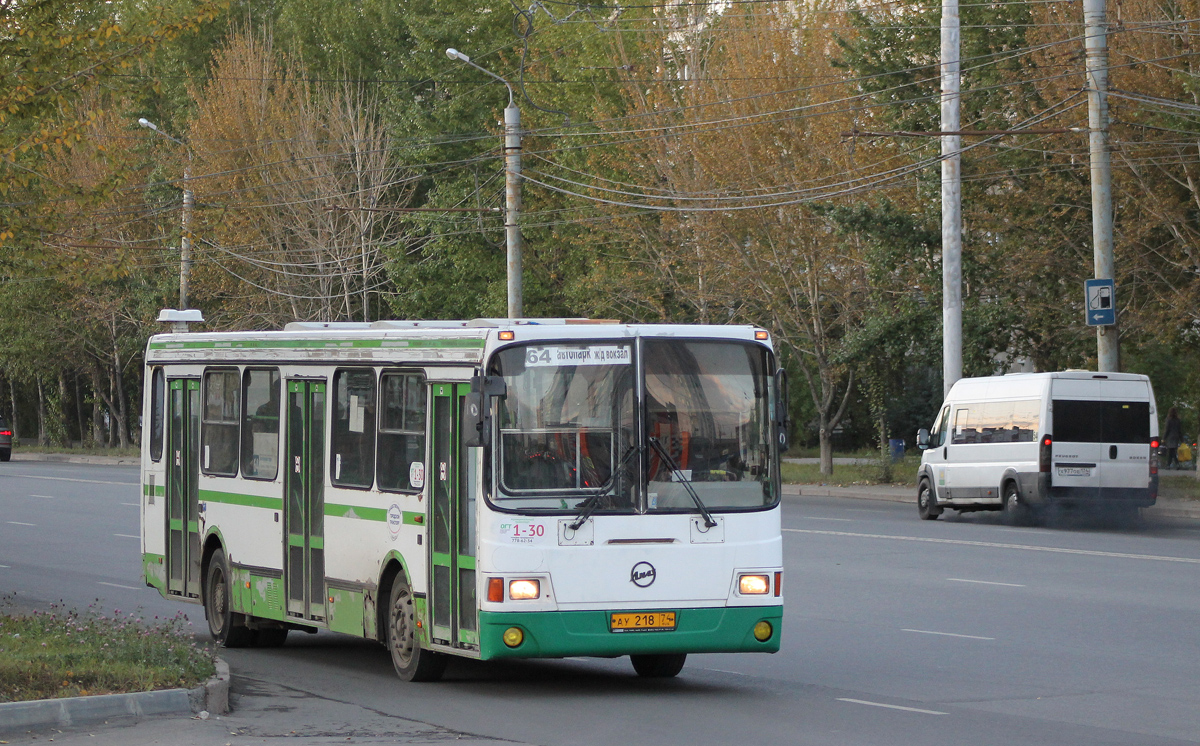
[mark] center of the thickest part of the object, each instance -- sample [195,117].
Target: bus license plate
[642,621]
[1074,471]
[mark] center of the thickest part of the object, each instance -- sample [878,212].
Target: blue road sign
[1101,302]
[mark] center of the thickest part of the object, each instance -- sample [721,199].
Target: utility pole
[1108,354]
[185,243]
[189,200]
[512,207]
[512,188]
[952,347]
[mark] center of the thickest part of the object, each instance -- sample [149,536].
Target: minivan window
[997,422]
[1082,421]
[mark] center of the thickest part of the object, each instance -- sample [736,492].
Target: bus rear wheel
[412,663]
[221,619]
[658,665]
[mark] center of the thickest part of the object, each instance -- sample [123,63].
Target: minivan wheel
[927,502]
[1014,509]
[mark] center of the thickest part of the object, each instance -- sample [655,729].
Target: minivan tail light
[1153,456]
[1044,454]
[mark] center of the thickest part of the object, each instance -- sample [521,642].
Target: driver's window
[937,438]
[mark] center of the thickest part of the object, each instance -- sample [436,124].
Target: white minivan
[1029,440]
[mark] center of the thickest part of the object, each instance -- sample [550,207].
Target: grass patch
[1178,485]
[65,653]
[902,472]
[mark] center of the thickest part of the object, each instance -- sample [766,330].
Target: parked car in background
[5,440]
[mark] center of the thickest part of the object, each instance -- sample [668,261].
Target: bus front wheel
[412,663]
[221,619]
[658,666]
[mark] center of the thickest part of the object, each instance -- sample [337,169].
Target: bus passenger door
[452,549]
[183,471]
[304,506]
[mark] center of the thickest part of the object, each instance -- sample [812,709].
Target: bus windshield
[568,432]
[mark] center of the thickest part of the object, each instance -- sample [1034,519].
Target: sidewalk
[1163,508]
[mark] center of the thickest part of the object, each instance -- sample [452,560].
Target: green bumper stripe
[552,634]
[233,498]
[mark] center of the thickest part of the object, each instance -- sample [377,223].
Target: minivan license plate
[1074,471]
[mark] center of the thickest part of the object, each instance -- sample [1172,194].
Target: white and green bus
[486,489]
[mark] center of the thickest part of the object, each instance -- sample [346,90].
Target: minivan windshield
[568,430]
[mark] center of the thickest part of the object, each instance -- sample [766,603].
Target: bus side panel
[250,524]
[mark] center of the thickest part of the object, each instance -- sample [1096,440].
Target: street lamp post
[185,244]
[512,187]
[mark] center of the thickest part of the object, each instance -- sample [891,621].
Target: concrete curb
[67,458]
[210,698]
[1163,509]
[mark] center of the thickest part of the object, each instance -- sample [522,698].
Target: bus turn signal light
[524,590]
[754,585]
[507,336]
[495,592]
[761,335]
[778,584]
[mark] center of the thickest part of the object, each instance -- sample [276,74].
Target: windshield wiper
[588,506]
[687,483]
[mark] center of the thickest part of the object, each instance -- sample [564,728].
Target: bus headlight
[763,631]
[524,590]
[513,636]
[754,585]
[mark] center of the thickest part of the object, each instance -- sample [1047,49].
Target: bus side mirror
[922,439]
[783,421]
[477,410]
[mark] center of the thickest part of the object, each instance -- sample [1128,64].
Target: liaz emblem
[642,575]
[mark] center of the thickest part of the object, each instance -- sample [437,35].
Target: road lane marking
[891,707]
[132,505]
[18,523]
[44,497]
[986,582]
[814,518]
[69,479]
[118,585]
[947,634]
[5,567]
[127,536]
[998,545]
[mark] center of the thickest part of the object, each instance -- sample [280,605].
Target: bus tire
[411,661]
[221,620]
[270,637]
[658,665]
[927,502]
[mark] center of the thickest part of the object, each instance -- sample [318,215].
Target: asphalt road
[897,631]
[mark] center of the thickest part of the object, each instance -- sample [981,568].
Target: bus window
[352,449]
[219,428]
[401,431]
[260,429]
[158,404]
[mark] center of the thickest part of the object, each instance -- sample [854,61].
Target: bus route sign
[1101,302]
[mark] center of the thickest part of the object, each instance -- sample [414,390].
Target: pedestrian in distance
[1172,437]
